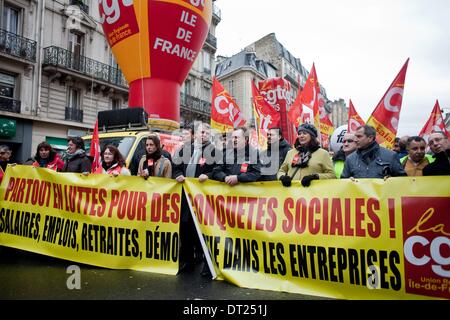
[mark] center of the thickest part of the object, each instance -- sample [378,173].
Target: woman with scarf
[77,160]
[113,162]
[46,157]
[307,161]
[153,163]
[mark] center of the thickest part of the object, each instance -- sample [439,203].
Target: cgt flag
[266,116]
[310,95]
[354,120]
[385,117]
[434,123]
[225,113]
[94,152]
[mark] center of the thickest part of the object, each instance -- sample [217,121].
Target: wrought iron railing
[73,114]
[84,7]
[63,58]
[191,103]
[10,105]
[17,46]
[211,40]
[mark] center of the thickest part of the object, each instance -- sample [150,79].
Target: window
[116,105]
[112,60]
[206,62]
[76,43]
[11,19]
[73,109]
[187,85]
[231,87]
[7,85]
[74,99]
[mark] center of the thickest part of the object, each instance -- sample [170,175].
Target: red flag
[225,113]
[94,152]
[266,116]
[354,120]
[435,122]
[386,116]
[269,117]
[296,111]
[309,95]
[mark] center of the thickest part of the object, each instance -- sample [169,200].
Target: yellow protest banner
[114,222]
[366,239]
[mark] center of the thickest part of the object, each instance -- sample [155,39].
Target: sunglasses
[348,140]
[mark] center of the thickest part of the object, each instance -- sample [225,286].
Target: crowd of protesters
[230,158]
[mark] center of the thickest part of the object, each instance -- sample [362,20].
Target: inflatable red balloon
[155,42]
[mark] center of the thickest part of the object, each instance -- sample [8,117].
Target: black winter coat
[269,169]
[247,168]
[205,166]
[440,167]
[78,163]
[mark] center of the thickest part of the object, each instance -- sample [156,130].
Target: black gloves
[286,180]
[306,181]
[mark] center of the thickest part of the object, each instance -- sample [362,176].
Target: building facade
[265,58]
[57,72]
[337,112]
[236,74]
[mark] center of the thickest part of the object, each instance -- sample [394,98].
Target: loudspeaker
[128,117]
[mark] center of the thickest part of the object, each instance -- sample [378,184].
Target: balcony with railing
[193,104]
[10,105]
[212,41]
[73,114]
[62,58]
[83,7]
[17,46]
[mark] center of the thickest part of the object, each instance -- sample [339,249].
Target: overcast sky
[358,46]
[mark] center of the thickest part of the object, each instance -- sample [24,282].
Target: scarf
[155,156]
[305,155]
[369,153]
[78,152]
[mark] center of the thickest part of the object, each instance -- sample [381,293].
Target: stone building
[57,72]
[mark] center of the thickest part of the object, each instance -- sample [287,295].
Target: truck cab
[127,129]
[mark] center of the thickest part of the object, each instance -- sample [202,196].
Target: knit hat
[309,128]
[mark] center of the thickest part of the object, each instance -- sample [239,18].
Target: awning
[57,143]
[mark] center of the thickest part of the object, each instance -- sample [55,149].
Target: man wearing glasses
[440,146]
[349,145]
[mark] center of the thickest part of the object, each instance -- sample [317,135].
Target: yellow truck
[127,129]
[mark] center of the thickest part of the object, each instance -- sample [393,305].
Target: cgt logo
[426,235]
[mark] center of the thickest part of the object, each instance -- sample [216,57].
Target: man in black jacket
[439,144]
[193,159]
[239,164]
[273,157]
